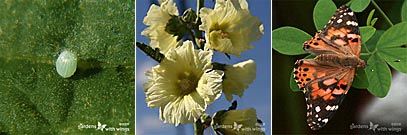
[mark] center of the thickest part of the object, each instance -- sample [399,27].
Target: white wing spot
[317,109]
[339,21]
[325,120]
[328,107]
[319,119]
[350,13]
[316,116]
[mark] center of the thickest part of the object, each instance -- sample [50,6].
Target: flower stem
[199,5]
[198,128]
[382,13]
[198,33]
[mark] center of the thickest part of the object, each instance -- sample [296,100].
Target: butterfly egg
[66,64]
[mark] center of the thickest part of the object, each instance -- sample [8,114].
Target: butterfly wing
[324,86]
[340,36]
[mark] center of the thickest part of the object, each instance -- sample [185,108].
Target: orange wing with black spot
[324,86]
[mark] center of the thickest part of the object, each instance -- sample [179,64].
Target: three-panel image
[203,67]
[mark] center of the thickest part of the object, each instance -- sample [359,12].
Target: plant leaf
[379,76]
[359,5]
[323,11]
[289,40]
[395,57]
[394,36]
[369,18]
[372,42]
[360,80]
[366,32]
[373,22]
[404,11]
[35,99]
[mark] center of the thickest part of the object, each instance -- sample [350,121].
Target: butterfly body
[326,79]
[340,60]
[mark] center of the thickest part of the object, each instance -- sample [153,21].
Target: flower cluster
[186,80]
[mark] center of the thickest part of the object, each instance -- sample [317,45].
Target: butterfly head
[361,64]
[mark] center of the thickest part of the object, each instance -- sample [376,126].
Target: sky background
[256,96]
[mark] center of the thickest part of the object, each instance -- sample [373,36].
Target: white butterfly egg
[66,64]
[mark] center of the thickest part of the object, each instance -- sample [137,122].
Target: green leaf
[404,11]
[367,32]
[372,42]
[395,57]
[323,11]
[369,18]
[379,76]
[359,5]
[360,80]
[34,98]
[394,36]
[373,22]
[289,40]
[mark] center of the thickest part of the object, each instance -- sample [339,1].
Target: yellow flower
[156,20]
[183,84]
[238,77]
[229,27]
[237,122]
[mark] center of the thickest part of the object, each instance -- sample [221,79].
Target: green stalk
[198,125]
[199,5]
[198,33]
[382,13]
[198,128]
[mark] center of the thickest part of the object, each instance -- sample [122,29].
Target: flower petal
[238,78]
[229,27]
[210,85]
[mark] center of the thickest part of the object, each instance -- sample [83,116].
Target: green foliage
[378,75]
[370,21]
[366,32]
[360,80]
[289,40]
[395,57]
[404,11]
[359,5]
[35,99]
[394,37]
[380,48]
[371,44]
[323,11]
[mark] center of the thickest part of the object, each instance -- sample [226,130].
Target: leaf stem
[382,13]
[198,33]
[199,5]
[198,127]
[367,49]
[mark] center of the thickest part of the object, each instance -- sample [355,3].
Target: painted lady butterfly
[326,79]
